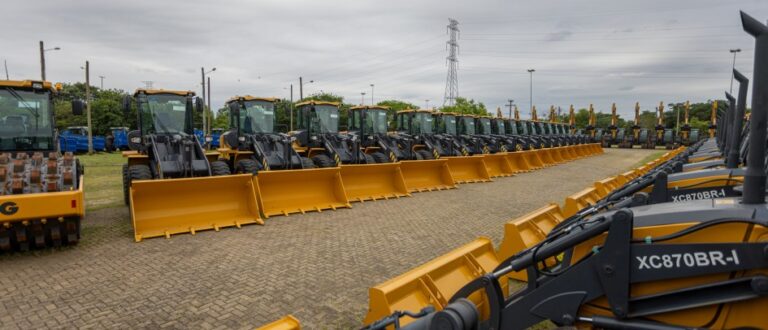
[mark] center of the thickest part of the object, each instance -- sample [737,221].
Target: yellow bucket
[299,191]
[373,181]
[468,169]
[427,175]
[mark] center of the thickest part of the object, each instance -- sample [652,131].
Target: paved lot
[315,266]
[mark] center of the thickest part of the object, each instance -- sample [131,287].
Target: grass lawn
[103,180]
[650,157]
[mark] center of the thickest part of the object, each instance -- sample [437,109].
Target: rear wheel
[307,163]
[220,168]
[323,161]
[249,166]
[380,157]
[424,154]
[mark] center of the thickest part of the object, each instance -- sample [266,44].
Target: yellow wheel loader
[171,184]
[41,190]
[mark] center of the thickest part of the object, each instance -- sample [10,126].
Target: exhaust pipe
[729,114]
[738,121]
[754,179]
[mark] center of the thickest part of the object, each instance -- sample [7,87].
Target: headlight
[136,140]
[241,139]
[37,85]
[313,138]
[208,139]
[370,137]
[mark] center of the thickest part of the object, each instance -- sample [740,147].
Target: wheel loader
[41,200]
[319,139]
[253,144]
[411,145]
[700,264]
[171,184]
[507,128]
[611,136]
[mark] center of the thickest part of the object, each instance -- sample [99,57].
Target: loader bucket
[527,231]
[607,185]
[287,322]
[597,148]
[574,203]
[172,206]
[583,150]
[497,165]
[299,191]
[518,161]
[571,152]
[546,156]
[557,155]
[434,282]
[427,175]
[533,158]
[468,169]
[373,181]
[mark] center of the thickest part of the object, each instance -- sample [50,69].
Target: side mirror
[198,104]
[77,107]
[127,99]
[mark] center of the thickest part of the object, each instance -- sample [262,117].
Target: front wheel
[323,161]
[249,166]
[307,163]
[424,154]
[380,157]
[135,172]
[219,168]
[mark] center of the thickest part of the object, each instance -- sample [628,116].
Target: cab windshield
[500,127]
[485,125]
[422,123]
[325,119]
[447,124]
[376,122]
[25,120]
[257,117]
[162,113]
[468,125]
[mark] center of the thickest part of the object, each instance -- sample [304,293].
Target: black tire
[220,168]
[380,157]
[135,172]
[424,154]
[249,166]
[307,163]
[369,159]
[323,161]
[126,185]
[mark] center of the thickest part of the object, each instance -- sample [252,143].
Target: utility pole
[733,51]
[426,104]
[531,71]
[511,102]
[101,84]
[210,111]
[301,88]
[362,100]
[290,108]
[42,60]
[5,63]
[452,81]
[202,75]
[87,104]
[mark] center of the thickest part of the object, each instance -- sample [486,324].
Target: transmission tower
[452,81]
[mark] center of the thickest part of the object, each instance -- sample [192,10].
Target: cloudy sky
[584,52]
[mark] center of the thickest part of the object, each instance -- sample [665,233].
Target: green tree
[462,105]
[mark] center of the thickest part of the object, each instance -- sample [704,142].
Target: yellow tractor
[170,183]
[41,195]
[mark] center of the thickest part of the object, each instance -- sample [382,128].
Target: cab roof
[440,113]
[417,110]
[253,98]
[372,107]
[46,85]
[163,91]
[313,102]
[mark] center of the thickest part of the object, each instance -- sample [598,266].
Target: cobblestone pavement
[317,266]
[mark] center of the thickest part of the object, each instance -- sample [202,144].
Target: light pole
[511,103]
[531,71]
[42,58]
[101,84]
[733,66]
[209,103]
[203,73]
[426,104]
[362,100]
[372,95]
[88,105]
